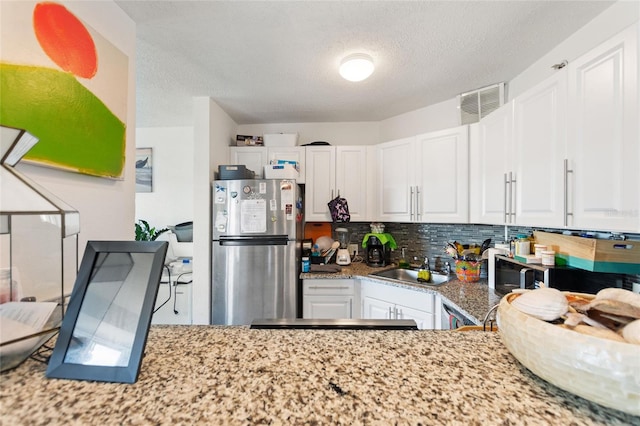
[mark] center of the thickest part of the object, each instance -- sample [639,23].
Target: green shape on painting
[76,130]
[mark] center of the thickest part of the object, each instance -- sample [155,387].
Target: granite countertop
[473,300]
[234,375]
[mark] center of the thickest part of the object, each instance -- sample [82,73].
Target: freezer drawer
[251,280]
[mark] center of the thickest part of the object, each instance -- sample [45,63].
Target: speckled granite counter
[473,300]
[233,375]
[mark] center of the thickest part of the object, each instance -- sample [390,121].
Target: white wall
[171,201]
[351,133]
[213,131]
[106,206]
[443,115]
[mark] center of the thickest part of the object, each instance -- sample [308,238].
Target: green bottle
[403,262]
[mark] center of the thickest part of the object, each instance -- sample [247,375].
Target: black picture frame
[105,328]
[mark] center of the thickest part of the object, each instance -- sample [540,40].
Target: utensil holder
[468,271]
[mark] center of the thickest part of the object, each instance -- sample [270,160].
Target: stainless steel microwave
[509,274]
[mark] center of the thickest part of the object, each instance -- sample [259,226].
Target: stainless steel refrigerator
[256,250]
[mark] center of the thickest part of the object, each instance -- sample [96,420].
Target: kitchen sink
[411,276]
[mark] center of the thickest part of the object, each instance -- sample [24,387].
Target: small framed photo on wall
[144,170]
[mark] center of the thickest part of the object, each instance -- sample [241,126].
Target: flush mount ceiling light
[356,67]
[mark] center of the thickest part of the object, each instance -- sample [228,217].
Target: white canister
[548,257]
[538,249]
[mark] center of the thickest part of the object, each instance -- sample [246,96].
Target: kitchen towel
[384,239]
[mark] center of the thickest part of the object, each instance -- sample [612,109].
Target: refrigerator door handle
[254,241]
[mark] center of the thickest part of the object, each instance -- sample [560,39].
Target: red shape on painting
[65,39]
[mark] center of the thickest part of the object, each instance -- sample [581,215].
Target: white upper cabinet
[351,179]
[333,171]
[254,157]
[396,181]
[603,149]
[490,154]
[539,140]
[425,178]
[517,159]
[566,152]
[289,153]
[321,182]
[442,176]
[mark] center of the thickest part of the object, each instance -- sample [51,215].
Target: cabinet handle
[514,191]
[331,195]
[567,213]
[318,287]
[418,206]
[506,192]
[390,313]
[350,308]
[411,203]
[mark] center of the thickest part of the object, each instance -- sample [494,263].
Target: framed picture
[104,331]
[144,170]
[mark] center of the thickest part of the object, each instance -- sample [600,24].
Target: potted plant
[144,231]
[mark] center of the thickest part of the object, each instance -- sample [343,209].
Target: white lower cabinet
[330,299]
[380,301]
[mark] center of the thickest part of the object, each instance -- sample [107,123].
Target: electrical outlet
[353,249]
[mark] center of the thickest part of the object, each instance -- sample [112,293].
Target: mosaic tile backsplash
[429,239]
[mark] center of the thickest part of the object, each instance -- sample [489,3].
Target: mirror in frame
[104,331]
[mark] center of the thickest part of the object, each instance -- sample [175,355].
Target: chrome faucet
[447,268]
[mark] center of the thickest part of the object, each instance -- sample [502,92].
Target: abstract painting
[65,84]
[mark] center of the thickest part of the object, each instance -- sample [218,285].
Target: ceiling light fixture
[356,67]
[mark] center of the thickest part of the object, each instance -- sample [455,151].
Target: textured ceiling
[276,61]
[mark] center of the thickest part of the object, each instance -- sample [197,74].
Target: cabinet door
[351,179]
[381,301]
[424,320]
[289,153]
[321,182]
[603,146]
[442,173]
[396,181]
[332,307]
[254,157]
[377,309]
[539,144]
[489,163]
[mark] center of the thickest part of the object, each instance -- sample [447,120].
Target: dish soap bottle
[403,262]
[424,273]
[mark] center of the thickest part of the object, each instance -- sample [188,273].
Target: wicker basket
[600,370]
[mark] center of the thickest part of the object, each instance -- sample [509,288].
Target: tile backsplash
[429,239]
